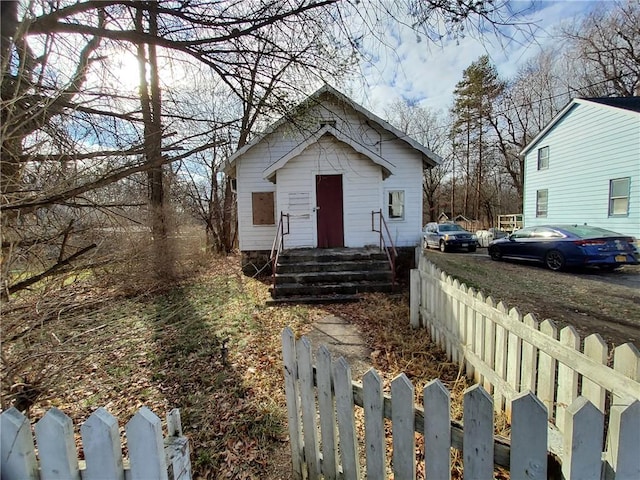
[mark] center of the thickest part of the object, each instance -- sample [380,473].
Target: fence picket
[624,426]
[547,371]
[374,425]
[514,359]
[567,377]
[146,449]
[346,423]
[326,409]
[528,438]
[626,360]
[402,419]
[101,445]
[17,450]
[307,396]
[477,450]
[583,430]
[290,368]
[596,349]
[500,366]
[471,336]
[437,430]
[414,282]
[529,358]
[489,339]
[56,447]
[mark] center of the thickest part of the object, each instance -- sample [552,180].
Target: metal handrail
[392,253]
[278,243]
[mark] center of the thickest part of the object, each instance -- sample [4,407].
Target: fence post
[374,435]
[528,438]
[56,447]
[437,430]
[17,451]
[477,450]
[500,366]
[293,407]
[101,445]
[583,429]
[402,424]
[177,448]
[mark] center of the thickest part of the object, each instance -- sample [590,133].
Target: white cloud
[415,69]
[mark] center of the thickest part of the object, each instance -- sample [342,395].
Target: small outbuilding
[328,171]
[584,167]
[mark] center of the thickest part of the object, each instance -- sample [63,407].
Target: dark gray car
[448,236]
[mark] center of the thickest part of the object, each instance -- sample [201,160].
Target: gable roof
[429,157]
[387,167]
[624,104]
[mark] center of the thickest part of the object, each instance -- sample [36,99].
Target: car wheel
[472,249]
[495,253]
[443,246]
[554,260]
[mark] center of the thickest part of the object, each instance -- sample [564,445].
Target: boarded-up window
[263,208]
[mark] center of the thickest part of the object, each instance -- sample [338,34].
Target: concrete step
[314,299]
[334,266]
[322,277]
[342,288]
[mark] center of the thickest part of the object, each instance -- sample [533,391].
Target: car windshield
[585,231]
[451,228]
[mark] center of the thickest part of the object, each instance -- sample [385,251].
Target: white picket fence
[150,457]
[324,438]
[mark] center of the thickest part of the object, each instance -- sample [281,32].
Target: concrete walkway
[342,339]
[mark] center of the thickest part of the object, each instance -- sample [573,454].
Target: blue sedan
[560,246]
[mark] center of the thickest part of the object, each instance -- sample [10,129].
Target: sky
[425,73]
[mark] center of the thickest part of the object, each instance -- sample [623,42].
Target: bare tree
[606,46]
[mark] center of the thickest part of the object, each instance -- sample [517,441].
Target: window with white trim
[542,202]
[395,204]
[619,197]
[543,158]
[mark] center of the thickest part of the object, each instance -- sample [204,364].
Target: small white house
[584,167]
[327,166]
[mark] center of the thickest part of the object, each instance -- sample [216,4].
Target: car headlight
[474,237]
[449,237]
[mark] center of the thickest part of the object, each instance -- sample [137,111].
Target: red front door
[329,212]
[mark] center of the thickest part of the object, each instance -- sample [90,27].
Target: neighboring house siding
[588,147]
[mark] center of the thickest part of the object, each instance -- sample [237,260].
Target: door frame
[314,175]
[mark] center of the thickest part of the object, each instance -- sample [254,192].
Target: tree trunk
[151,106]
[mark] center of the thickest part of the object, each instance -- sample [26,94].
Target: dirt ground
[590,300]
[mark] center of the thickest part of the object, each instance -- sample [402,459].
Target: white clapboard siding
[511,352]
[525,455]
[150,456]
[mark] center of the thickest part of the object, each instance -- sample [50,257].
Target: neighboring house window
[543,158]
[619,197]
[263,209]
[395,203]
[542,203]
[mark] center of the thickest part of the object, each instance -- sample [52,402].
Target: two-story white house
[584,167]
